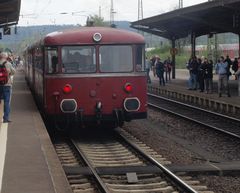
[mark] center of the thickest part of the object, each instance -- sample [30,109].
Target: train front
[97,79]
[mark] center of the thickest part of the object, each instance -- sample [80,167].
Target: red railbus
[89,76]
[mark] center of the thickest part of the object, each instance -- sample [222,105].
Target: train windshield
[116,58]
[78,59]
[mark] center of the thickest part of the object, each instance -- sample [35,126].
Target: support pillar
[239,45]
[216,48]
[193,43]
[173,59]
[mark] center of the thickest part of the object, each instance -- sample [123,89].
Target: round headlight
[97,37]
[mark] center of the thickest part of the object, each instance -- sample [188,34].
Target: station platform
[28,161]
[178,89]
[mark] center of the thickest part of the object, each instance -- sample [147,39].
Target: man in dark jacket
[193,70]
[208,75]
[229,62]
[160,71]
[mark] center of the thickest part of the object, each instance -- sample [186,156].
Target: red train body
[90,75]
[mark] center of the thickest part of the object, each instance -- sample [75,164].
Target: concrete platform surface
[180,86]
[31,163]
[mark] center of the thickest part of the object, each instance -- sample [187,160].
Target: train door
[31,68]
[140,58]
[27,66]
[51,68]
[38,76]
[51,60]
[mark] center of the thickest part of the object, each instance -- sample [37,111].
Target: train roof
[84,35]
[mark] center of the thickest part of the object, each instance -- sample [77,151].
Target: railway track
[219,122]
[119,163]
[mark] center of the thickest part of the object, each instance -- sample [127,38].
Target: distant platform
[178,88]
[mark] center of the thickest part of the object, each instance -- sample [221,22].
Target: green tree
[95,20]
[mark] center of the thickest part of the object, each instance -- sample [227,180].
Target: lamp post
[180,4]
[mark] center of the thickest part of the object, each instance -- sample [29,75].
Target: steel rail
[192,119]
[194,107]
[185,187]
[101,184]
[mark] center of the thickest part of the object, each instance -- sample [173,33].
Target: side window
[38,56]
[29,57]
[140,55]
[52,65]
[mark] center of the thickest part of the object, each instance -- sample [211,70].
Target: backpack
[3,74]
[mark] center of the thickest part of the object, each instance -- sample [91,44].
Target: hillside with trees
[21,37]
[25,36]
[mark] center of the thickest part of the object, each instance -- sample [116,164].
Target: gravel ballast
[185,143]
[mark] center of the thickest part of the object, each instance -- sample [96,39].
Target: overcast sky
[38,12]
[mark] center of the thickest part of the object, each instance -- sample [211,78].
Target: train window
[79,59]
[52,60]
[117,58]
[140,54]
[38,58]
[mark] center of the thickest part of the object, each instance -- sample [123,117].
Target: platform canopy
[9,12]
[212,17]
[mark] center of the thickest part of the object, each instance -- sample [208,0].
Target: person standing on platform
[153,61]
[222,71]
[229,62]
[148,68]
[193,70]
[235,65]
[160,71]
[208,75]
[200,75]
[168,67]
[237,74]
[6,84]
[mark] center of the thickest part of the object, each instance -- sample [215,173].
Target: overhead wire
[36,6]
[43,9]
